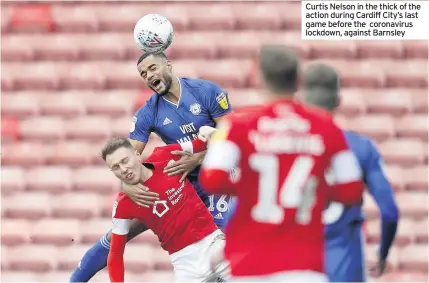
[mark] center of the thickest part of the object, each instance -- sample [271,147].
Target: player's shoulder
[204,87]
[354,138]
[149,105]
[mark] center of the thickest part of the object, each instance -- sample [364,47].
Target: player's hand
[185,164]
[140,194]
[205,133]
[378,269]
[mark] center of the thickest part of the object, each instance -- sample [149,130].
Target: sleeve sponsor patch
[222,100]
[133,124]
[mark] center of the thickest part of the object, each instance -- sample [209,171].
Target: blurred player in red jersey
[180,219]
[283,150]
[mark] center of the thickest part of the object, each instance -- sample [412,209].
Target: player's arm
[115,260]
[380,189]
[141,127]
[223,155]
[217,101]
[347,173]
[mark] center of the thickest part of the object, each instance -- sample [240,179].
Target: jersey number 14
[296,192]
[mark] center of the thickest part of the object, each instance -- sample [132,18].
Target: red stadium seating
[70,81]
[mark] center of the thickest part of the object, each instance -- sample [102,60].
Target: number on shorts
[297,190]
[221,205]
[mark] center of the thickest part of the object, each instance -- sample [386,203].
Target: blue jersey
[200,101]
[344,240]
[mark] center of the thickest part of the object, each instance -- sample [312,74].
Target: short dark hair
[154,54]
[114,144]
[279,68]
[319,75]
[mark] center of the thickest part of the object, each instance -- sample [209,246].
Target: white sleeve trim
[345,167]
[187,146]
[120,226]
[223,155]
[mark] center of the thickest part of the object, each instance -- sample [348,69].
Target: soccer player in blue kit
[344,256]
[176,111]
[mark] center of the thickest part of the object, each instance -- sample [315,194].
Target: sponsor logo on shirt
[222,100]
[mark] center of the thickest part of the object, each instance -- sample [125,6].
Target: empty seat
[161,260]
[55,232]
[10,130]
[196,45]
[113,103]
[416,178]
[380,49]
[84,76]
[107,204]
[139,257]
[19,104]
[413,204]
[420,100]
[95,179]
[223,72]
[396,177]
[124,76]
[156,276]
[12,179]
[31,18]
[240,98]
[258,16]
[69,257]
[120,17]
[388,101]
[88,127]
[104,46]
[333,49]
[55,47]
[92,230]
[25,154]
[15,232]
[148,237]
[42,128]
[54,276]
[421,231]
[403,276]
[404,235]
[36,76]
[18,276]
[102,276]
[27,205]
[380,127]
[76,18]
[414,258]
[65,104]
[416,48]
[409,74]
[413,126]
[292,19]
[15,47]
[76,205]
[217,16]
[371,252]
[121,126]
[53,179]
[404,152]
[37,258]
[73,153]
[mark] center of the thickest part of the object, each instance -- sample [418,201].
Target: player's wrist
[200,156]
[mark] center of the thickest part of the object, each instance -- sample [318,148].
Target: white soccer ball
[153,33]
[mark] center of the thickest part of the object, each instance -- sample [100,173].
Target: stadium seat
[10,130]
[388,49]
[16,48]
[416,178]
[102,276]
[225,72]
[104,46]
[30,206]
[156,276]
[421,230]
[196,45]
[115,103]
[404,235]
[19,104]
[292,19]
[72,153]
[403,276]
[76,206]
[26,154]
[216,16]
[36,258]
[15,232]
[59,232]
[420,100]
[97,179]
[120,127]
[414,258]
[413,204]
[29,18]
[92,230]
[148,237]
[257,17]
[42,128]
[53,179]
[334,49]
[66,104]
[76,18]
[55,276]
[18,276]
[391,102]
[119,17]
[68,257]
[84,76]
[404,152]
[122,75]
[139,257]
[93,128]
[416,48]
[107,204]
[161,260]
[408,74]
[55,48]
[396,177]
[6,12]
[352,102]
[12,179]
[39,76]
[379,127]
[244,97]
[413,126]
[7,78]
[371,252]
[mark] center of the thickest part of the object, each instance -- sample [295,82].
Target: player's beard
[167,80]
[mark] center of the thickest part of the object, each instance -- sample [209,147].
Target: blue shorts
[345,256]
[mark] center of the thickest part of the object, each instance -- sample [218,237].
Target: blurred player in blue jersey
[345,260]
[177,109]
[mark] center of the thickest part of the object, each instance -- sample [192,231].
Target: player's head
[156,71]
[123,160]
[279,69]
[321,86]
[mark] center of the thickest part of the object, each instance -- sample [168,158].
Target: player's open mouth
[156,84]
[129,175]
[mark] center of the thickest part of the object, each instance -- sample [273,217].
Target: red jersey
[283,151]
[179,218]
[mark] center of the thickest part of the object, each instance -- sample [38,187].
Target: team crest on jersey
[222,100]
[133,124]
[195,109]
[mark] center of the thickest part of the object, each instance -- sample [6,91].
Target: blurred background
[69,81]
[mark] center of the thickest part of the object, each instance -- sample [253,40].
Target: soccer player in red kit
[180,219]
[283,150]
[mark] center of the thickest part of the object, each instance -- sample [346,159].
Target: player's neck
[272,97]
[174,94]
[146,174]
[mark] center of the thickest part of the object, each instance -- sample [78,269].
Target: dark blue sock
[94,260]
